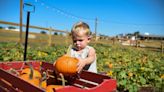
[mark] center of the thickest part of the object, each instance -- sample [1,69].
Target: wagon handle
[27,26]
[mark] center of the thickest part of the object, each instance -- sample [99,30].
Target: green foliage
[131,67]
[15,52]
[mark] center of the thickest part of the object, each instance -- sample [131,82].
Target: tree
[43,32]
[11,27]
[55,33]
[1,27]
[136,34]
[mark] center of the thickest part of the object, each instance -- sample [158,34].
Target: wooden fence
[50,30]
[50,39]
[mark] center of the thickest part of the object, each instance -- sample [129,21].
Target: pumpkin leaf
[142,80]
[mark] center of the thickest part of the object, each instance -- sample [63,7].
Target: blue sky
[114,16]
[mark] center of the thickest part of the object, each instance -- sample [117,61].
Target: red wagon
[84,82]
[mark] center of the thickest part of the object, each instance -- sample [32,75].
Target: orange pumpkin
[31,75]
[51,88]
[33,80]
[44,84]
[36,73]
[66,65]
[110,65]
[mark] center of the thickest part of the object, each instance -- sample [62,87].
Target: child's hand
[80,65]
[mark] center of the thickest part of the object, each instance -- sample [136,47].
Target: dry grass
[43,39]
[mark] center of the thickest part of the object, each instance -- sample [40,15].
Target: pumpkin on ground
[66,65]
[110,65]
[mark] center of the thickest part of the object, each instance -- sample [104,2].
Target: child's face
[80,40]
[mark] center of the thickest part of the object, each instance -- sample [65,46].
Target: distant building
[6,28]
[15,30]
[12,29]
[151,37]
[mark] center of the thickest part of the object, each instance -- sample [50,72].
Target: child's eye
[77,40]
[74,41]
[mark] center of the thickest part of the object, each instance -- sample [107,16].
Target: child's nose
[77,42]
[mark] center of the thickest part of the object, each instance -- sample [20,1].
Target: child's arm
[91,58]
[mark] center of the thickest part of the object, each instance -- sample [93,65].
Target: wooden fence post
[162,46]
[67,38]
[50,37]
[113,40]
[137,43]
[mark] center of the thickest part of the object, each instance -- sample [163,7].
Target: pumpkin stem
[49,75]
[31,70]
[43,78]
[63,80]
[69,50]
[13,71]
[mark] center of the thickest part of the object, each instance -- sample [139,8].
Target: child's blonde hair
[81,26]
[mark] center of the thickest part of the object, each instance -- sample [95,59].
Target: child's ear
[89,37]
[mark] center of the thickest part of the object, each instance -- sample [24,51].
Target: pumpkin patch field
[133,68]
